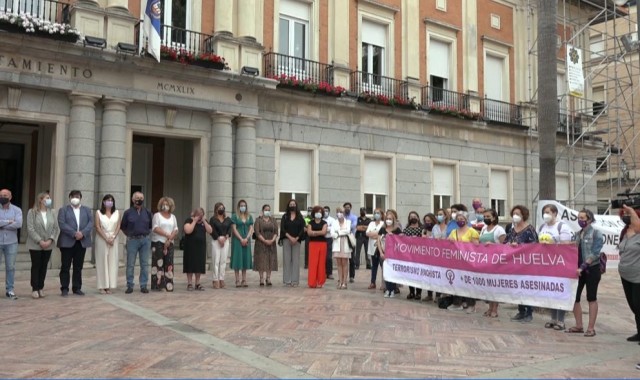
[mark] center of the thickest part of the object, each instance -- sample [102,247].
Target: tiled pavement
[295,332]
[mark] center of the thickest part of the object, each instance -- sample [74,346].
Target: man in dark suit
[75,223]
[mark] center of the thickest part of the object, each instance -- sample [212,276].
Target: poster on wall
[575,76]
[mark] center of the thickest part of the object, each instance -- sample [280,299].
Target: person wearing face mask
[292,227]
[560,233]
[521,233]
[242,229]
[136,225]
[372,233]
[76,224]
[453,224]
[390,228]
[196,229]
[413,228]
[10,222]
[440,229]
[43,231]
[316,231]
[429,222]
[492,233]
[220,235]
[361,238]
[590,242]
[265,257]
[328,269]
[477,223]
[164,231]
[340,230]
[353,218]
[307,219]
[475,215]
[107,224]
[463,233]
[629,266]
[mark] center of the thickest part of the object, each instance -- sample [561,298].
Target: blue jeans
[143,247]
[10,251]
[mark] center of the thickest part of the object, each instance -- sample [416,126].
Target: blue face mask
[440,218]
[480,218]
[376,216]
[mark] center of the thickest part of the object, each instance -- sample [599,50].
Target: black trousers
[362,242]
[632,293]
[306,253]
[75,256]
[352,265]
[39,264]
[329,264]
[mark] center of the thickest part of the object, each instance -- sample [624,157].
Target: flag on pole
[152,24]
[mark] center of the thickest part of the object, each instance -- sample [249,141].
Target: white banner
[575,75]
[609,225]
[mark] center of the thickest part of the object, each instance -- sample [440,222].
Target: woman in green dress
[242,229]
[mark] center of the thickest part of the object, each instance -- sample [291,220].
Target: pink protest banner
[531,274]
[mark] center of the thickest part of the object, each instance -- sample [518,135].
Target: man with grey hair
[10,222]
[136,225]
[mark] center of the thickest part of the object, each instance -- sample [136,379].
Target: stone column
[118,4]
[470,46]
[339,41]
[220,178]
[247,19]
[223,18]
[81,148]
[244,170]
[411,47]
[113,145]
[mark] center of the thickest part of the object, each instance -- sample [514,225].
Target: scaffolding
[598,128]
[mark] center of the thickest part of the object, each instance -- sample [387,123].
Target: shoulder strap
[559,228]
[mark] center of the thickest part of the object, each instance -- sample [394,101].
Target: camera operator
[629,266]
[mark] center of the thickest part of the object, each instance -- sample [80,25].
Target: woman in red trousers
[316,231]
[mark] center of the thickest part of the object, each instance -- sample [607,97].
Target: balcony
[575,124]
[280,66]
[186,40]
[383,89]
[438,99]
[501,112]
[42,18]
[45,10]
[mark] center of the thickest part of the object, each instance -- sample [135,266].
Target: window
[596,46]
[295,178]
[175,15]
[376,183]
[293,39]
[603,206]
[493,77]
[499,191]
[599,105]
[439,66]
[443,186]
[374,37]
[563,192]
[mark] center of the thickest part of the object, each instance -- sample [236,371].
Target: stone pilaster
[470,45]
[120,24]
[338,44]
[247,19]
[244,170]
[123,4]
[223,18]
[113,145]
[220,178]
[81,148]
[88,17]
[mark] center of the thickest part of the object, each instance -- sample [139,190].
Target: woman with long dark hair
[107,227]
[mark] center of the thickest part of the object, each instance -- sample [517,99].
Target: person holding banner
[629,266]
[554,231]
[455,209]
[372,233]
[463,233]
[590,243]
[440,229]
[391,227]
[413,228]
[316,231]
[429,223]
[521,233]
[492,233]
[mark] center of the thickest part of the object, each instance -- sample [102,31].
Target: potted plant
[209,61]
[31,24]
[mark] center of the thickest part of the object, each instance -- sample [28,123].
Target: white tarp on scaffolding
[609,225]
[575,76]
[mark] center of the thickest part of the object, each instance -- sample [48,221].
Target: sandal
[269,282]
[261,283]
[486,314]
[549,325]
[559,326]
[590,333]
[493,315]
[372,286]
[575,330]
[237,284]
[190,287]
[199,287]
[244,284]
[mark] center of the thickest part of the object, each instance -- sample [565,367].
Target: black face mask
[487,221]
[363,214]
[221,211]
[4,201]
[413,220]
[138,202]
[626,219]
[292,208]
[428,226]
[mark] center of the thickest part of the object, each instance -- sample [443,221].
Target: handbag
[351,241]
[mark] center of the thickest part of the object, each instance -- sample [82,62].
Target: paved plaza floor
[283,332]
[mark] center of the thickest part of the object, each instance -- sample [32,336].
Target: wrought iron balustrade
[278,66]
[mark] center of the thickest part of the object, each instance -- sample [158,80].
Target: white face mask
[516,218]
[326,214]
[340,215]
[267,213]
[165,208]
[547,218]
[243,208]
[453,215]
[318,215]
[389,222]
[75,202]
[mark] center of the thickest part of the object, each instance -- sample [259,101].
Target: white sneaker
[386,294]
[41,293]
[35,294]
[392,294]
[455,307]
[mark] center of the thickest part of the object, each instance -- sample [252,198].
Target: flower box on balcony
[209,64]
[322,88]
[30,24]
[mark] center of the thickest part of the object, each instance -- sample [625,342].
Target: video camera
[632,200]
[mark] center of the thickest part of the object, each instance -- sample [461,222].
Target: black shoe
[144,290]
[357,267]
[65,293]
[368,266]
[128,291]
[518,317]
[78,292]
[351,280]
[634,338]
[330,277]
[410,296]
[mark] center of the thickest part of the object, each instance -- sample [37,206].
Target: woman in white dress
[107,226]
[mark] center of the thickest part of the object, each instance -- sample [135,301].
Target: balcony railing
[501,112]
[278,65]
[193,42]
[439,98]
[362,82]
[46,10]
[575,124]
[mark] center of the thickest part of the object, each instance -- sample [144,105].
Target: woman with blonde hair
[372,233]
[391,228]
[43,231]
[242,229]
[164,229]
[107,227]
